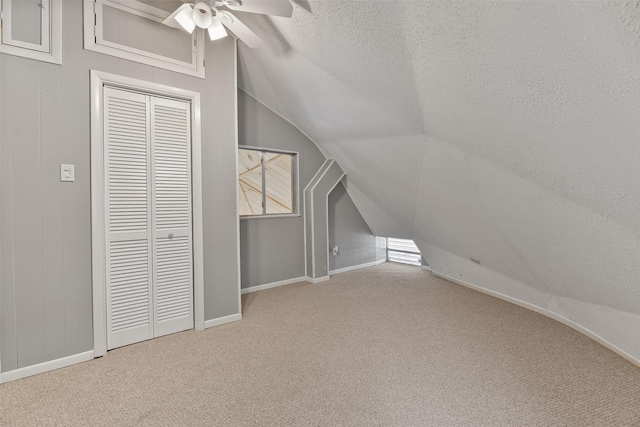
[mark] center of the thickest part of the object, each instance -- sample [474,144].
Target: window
[32,29]
[133,30]
[267,182]
[403,251]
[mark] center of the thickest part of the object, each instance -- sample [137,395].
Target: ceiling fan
[213,16]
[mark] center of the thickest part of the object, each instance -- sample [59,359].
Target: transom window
[32,29]
[133,30]
[266,182]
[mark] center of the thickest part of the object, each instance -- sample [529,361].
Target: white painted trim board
[326,215]
[544,312]
[273,285]
[357,267]
[318,280]
[40,368]
[237,213]
[311,186]
[222,320]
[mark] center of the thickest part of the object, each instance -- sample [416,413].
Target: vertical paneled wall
[350,233]
[45,240]
[45,291]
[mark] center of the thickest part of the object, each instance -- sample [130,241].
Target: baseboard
[273,285]
[40,368]
[222,320]
[599,339]
[317,280]
[426,268]
[357,267]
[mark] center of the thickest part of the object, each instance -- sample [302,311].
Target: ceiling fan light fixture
[171,20]
[207,14]
[216,30]
[202,15]
[185,19]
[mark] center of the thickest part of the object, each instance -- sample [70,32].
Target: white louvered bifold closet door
[171,159]
[148,216]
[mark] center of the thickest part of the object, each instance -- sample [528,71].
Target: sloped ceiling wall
[504,131]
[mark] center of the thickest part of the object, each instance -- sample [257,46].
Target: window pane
[26,21]
[250,182]
[278,183]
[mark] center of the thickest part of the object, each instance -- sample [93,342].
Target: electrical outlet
[336,250]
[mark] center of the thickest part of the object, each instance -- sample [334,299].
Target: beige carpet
[386,346]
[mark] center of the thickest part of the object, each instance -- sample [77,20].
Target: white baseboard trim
[273,285]
[426,268]
[28,371]
[222,320]
[547,313]
[357,267]
[318,280]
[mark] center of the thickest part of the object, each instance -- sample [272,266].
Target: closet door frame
[99,80]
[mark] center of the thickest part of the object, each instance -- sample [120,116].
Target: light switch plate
[67,173]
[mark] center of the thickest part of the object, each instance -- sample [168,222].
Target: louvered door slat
[173,282]
[127,142]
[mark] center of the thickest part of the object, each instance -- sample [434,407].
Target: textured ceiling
[504,131]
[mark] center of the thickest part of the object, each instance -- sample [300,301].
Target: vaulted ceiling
[504,131]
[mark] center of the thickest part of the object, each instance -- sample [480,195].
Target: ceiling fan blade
[265,7]
[171,19]
[241,31]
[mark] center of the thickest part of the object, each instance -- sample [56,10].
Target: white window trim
[92,33]
[296,183]
[98,238]
[54,53]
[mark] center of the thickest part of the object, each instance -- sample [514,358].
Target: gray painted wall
[272,249]
[349,231]
[45,230]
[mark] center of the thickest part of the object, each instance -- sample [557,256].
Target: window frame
[295,183]
[93,37]
[51,29]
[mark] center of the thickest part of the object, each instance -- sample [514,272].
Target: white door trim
[98,80]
